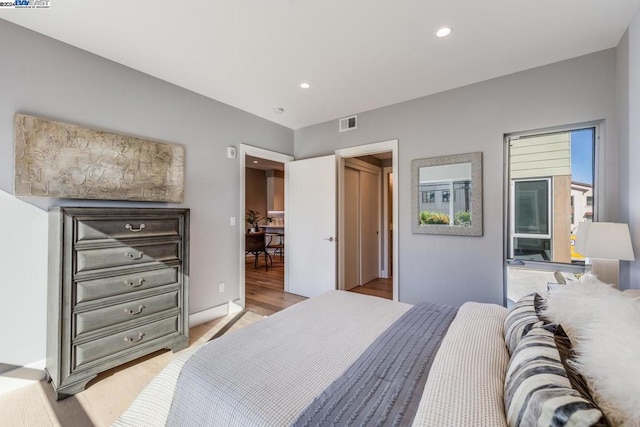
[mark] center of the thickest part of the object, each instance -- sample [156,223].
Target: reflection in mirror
[447,195]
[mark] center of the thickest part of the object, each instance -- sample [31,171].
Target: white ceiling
[357,54]
[252,162]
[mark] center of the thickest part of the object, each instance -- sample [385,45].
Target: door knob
[331,239]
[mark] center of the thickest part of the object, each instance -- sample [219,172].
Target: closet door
[369,226]
[351,228]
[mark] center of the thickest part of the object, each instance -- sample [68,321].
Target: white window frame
[599,207]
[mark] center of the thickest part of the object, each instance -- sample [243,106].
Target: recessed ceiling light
[305,85]
[443,32]
[255,161]
[278,110]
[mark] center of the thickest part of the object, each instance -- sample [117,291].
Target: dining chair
[255,244]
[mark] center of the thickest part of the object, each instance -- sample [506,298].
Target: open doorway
[264,221]
[264,260]
[367,214]
[365,237]
[262,228]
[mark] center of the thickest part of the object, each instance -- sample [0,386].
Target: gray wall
[622,93]
[46,78]
[632,144]
[451,269]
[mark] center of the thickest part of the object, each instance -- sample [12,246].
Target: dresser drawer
[103,317]
[135,227]
[89,290]
[94,259]
[109,345]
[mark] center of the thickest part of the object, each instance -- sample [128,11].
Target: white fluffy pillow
[605,331]
[573,305]
[608,351]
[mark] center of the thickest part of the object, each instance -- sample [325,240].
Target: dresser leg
[181,345]
[71,389]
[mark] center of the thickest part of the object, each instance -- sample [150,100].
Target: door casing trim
[250,150]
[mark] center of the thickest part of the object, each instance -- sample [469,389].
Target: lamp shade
[606,240]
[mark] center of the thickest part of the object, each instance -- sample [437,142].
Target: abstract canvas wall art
[60,160]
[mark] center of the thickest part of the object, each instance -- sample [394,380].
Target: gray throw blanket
[384,386]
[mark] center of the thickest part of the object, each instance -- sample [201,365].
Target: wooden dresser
[118,289]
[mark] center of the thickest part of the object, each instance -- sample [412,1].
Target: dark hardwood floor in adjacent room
[264,290]
[272,278]
[382,288]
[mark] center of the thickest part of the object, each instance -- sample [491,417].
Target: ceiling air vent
[348,123]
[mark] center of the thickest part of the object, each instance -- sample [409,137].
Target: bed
[319,362]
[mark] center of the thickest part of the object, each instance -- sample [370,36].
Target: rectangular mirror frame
[476,195]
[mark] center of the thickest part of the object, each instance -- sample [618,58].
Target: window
[550,190]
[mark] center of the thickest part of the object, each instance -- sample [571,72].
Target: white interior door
[311,226]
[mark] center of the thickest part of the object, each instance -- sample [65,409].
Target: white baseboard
[204,316]
[21,376]
[234,306]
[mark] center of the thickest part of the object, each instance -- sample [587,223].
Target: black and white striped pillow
[521,318]
[537,389]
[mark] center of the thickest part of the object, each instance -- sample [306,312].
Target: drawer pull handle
[133,313]
[134,230]
[132,256]
[133,285]
[134,340]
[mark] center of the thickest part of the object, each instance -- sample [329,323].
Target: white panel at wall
[23,292]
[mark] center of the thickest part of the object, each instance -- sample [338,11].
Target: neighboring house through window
[550,191]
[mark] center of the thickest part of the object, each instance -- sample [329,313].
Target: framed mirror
[446,195]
